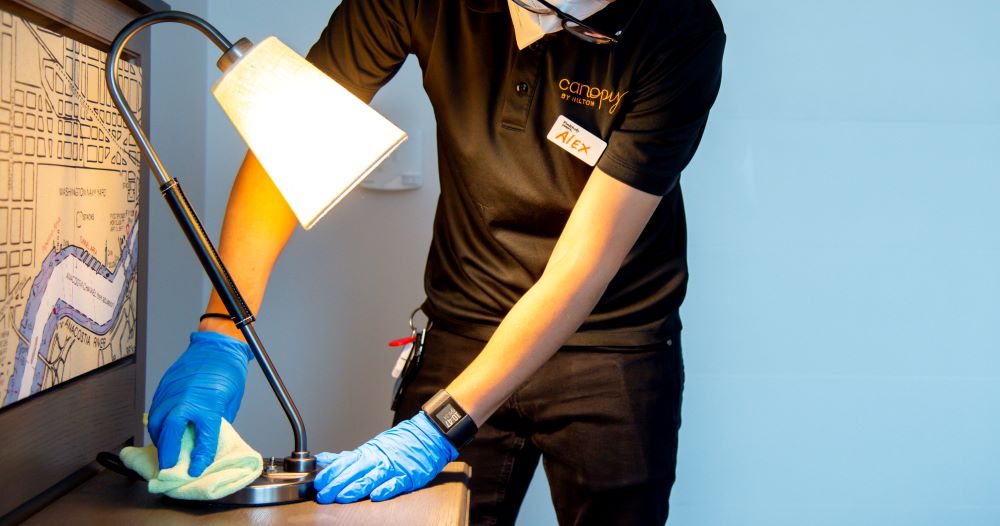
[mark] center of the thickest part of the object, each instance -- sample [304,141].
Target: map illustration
[69,208]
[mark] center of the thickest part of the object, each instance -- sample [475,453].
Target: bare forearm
[606,221]
[256,228]
[534,329]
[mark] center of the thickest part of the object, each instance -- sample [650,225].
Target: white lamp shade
[314,138]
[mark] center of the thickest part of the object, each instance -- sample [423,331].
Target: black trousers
[603,420]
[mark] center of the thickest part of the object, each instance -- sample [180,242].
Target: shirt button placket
[518,100]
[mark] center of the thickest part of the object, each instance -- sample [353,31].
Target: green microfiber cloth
[236,465]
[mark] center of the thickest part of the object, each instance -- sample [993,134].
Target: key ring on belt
[413,328]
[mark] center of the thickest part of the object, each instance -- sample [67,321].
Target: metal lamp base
[282,481]
[274,486]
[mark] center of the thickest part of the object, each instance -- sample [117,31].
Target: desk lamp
[287,111]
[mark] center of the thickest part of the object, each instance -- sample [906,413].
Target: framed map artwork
[73,215]
[69,209]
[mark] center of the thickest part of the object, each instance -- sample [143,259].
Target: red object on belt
[402,341]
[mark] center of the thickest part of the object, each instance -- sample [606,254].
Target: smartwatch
[450,419]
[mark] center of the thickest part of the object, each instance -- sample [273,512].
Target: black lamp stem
[189,222]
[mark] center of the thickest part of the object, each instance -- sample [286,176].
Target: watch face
[448,416]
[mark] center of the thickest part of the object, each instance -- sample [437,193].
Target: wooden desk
[110,499]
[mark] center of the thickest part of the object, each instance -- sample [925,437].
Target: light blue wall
[843,321]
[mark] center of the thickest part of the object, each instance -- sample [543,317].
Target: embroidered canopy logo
[593,96]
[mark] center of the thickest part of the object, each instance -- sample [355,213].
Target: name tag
[574,139]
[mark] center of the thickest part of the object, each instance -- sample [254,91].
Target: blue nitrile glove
[399,460]
[203,386]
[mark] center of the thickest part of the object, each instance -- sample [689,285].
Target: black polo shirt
[507,191]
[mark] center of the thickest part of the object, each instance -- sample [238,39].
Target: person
[558,260]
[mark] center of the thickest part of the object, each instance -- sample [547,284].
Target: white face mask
[530,27]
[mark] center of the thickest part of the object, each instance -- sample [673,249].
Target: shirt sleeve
[365,43]
[665,120]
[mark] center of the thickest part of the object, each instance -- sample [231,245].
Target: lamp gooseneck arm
[188,220]
[111,73]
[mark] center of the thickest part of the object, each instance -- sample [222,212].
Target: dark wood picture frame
[51,439]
